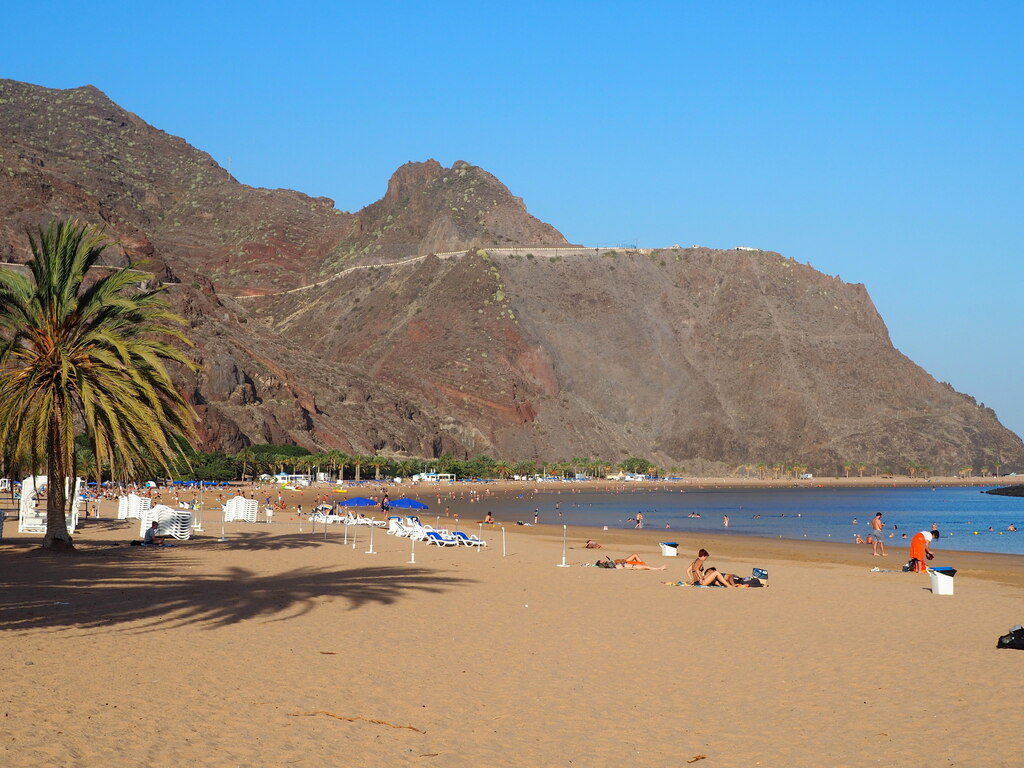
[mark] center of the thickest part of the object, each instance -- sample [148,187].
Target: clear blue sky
[878,141]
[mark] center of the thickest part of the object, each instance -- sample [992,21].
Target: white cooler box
[942,580]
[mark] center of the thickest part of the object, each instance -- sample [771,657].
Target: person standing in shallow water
[639,520]
[725,521]
[877,526]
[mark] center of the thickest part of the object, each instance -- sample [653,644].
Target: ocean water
[963,515]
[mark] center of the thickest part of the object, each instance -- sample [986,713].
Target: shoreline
[1004,568]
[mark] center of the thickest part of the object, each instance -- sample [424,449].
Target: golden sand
[286,648]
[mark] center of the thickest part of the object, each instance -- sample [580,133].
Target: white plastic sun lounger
[433,537]
[469,541]
[242,509]
[132,506]
[176,523]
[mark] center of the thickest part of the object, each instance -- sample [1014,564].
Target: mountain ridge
[687,356]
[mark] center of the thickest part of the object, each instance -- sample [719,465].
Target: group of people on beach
[698,574]
[701,574]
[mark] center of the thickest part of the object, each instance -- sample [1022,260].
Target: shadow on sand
[160,589]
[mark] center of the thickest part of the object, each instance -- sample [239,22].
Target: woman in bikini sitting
[696,574]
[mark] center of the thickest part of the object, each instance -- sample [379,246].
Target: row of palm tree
[788,469]
[335,464]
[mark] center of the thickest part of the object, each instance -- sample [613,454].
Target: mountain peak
[429,208]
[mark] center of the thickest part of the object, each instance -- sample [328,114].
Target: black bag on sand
[1012,639]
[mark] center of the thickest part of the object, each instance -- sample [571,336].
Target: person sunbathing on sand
[634,563]
[714,578]
[591,544]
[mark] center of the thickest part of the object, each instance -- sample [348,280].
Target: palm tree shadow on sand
[254,540]
[154,590]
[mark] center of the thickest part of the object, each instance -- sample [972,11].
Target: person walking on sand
[877,543]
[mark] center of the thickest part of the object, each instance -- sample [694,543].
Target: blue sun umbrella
[359,501]
[408,504]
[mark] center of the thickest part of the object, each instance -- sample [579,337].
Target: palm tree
[525,467]
[359,461]
[377,462]
[91,353]
[334,458]
[247,457]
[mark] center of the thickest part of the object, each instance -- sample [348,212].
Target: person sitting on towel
[711,577]
[151,539]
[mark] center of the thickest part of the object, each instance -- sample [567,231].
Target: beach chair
[395,527]
[176,523]
[433,537]
[468,541]
[242,509]
[132,506]
[419,533]
[32,515]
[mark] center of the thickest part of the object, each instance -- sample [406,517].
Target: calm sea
[964,515]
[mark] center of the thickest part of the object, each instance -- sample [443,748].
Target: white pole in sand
[478,547]
[223,514]
[198,524]
[412,554]
[503,541]
[563,564]
[346,529]
[370,550]
[355,532]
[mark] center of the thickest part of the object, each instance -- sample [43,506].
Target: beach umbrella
[408,504]
[359,501]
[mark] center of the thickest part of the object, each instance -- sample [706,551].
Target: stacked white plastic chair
[240,508]
[176,523]
[132,506]
[32,516]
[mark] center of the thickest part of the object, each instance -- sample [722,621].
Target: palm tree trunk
[57,535]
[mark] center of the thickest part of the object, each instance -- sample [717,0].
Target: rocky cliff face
[334,329]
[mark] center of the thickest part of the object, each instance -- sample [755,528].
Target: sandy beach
[288,648]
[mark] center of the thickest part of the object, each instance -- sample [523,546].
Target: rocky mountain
[444,317]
